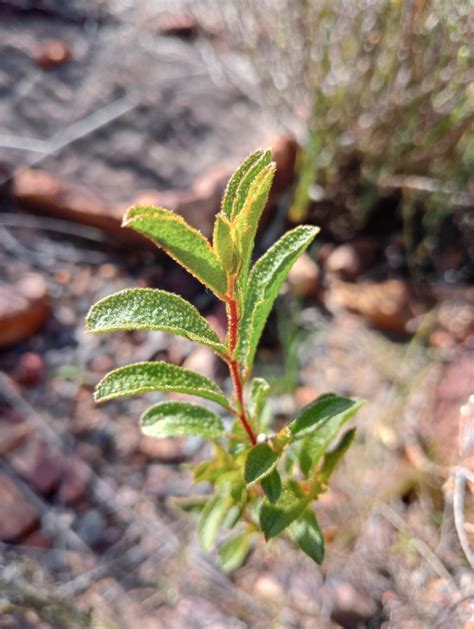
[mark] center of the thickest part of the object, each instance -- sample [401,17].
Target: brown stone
[29,369]
[168,450]
[18,516]
[24,308]
[44,193]
[52,54]
[387,305]
[39,467]
[304,277]
[182,26]
[74,481]
[348,261]
[12,435]
[452,436]
[284,150]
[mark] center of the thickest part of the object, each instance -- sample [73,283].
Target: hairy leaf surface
[264,283]
[182,242]
[271,485]
[275,518]
[314,445]
[151,309]
[321,410]
[211,519]
[259,390]
[223,244]
[158,376]
[246,222]
[180,419]
[261,460]
[233,552]
[305,532]
[239,183]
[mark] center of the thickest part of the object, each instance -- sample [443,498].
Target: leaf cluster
[261,481]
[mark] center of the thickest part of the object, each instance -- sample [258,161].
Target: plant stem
[234,368]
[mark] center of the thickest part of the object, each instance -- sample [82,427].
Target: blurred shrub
[386,90]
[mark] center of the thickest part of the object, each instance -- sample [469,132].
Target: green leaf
[223,244]
[259,390]
[261,460]
[305,532]
[246,222]
[180,419]
[238,185]
[271,485]
[159,376]
[314,445]
[151,309]
[180,241]
[263,286]
[333,457]
[233,552]
[211,519]
[189,504]
[324,408]
[274,518]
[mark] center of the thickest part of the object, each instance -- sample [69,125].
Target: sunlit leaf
[240,182]
[182,242]
[259,390]
[158,376]
[305,532]
[223,244]
[151,309]
[275,518]
[271,485]
[180,419]
[246,222]
[321,410]
[332,458]
[211,519]
[233,552]
[261,460]
[322,431]
[263,285]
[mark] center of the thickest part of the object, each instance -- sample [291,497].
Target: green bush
[262,481]
[385,92]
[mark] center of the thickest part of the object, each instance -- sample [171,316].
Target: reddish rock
[443,428]
[284,150]
[12,435]
[168,450]
[182,26]
[349,606]
[304,277]
[52,54]
[24,308]
[39,467]
[455,316]
[350,260]
[203,360]
[74,481]
[36,540]
[44,193]
[30,369]
[387,305]
[18,517]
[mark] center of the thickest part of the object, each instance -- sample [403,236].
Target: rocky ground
[89,534]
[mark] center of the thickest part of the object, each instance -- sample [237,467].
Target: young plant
[262,481]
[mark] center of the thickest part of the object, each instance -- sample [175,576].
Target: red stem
[233,322]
